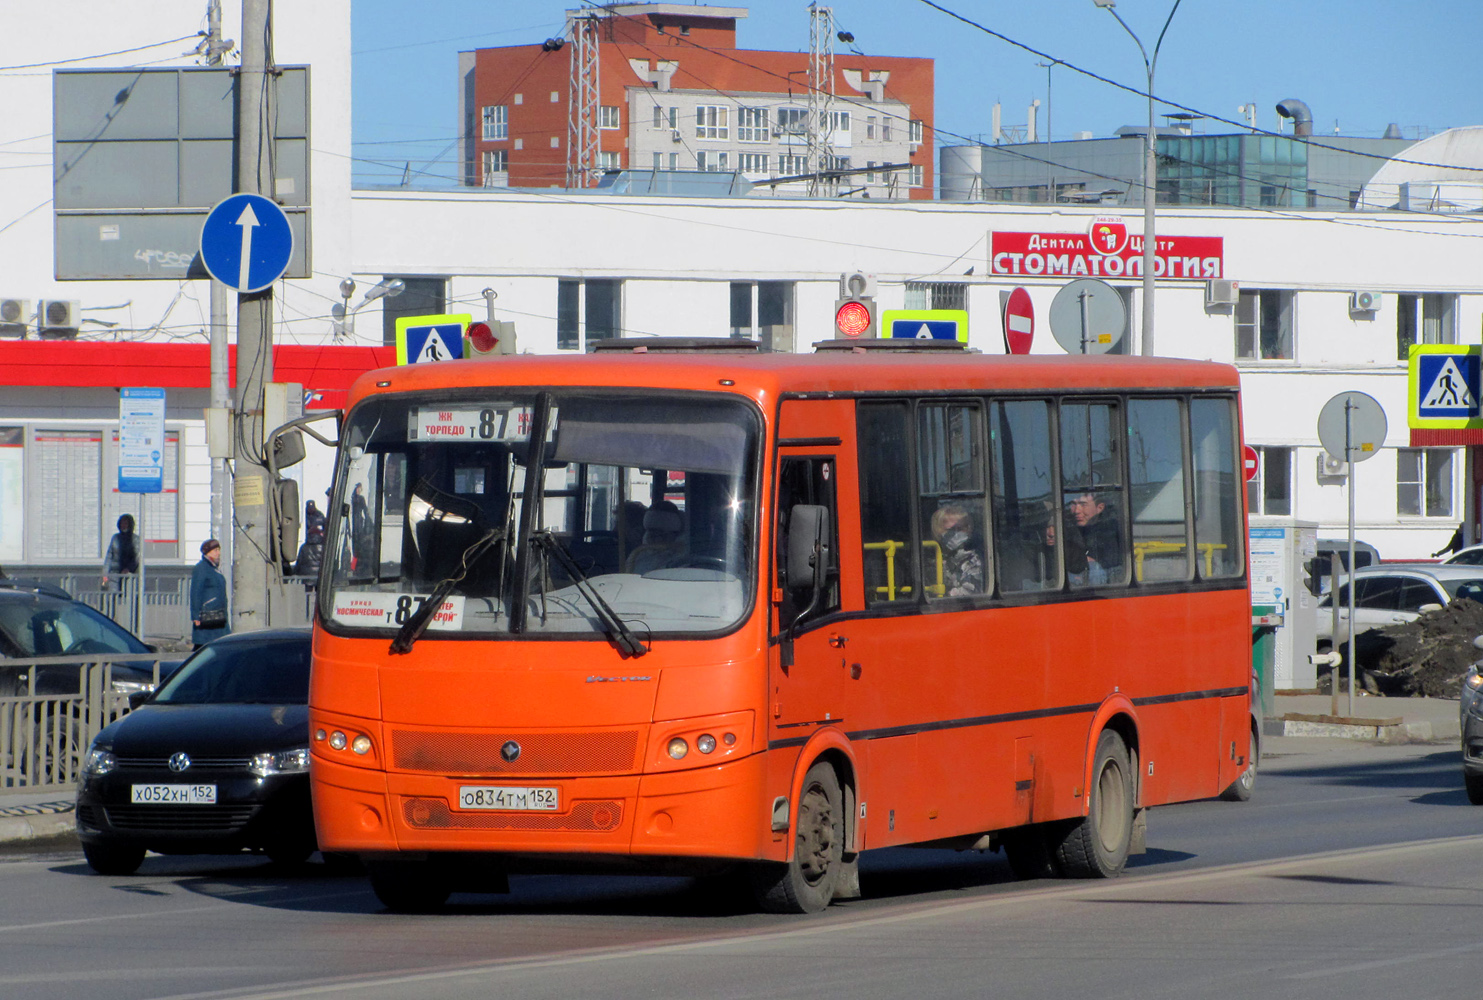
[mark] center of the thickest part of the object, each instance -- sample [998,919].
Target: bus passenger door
[808,660]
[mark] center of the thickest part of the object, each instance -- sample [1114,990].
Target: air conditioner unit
[1330,467]
[1364,301]
[674,135]
[15,315]
[1222,292]
[58,318]
[856,284]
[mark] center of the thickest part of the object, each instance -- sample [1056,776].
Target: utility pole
[820,93]
[584,94]
[216,49]
[251,482]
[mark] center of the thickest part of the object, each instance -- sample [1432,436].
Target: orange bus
[678,609]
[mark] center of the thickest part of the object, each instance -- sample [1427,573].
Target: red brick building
[676,94]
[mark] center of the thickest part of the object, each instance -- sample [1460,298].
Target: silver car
[1394,593]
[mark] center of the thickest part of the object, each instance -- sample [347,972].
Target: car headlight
[99,761]
[282,762]
[1474,680]
[131,685]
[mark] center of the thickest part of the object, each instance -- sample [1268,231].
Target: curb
[46,819]
[1383,730]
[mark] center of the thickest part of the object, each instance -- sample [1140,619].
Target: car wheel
[409,887]
[290,853]
[113,859]
[1474,785]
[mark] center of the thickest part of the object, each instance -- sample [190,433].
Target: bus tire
[806,884]
[1096,846]
[1240,790]
[1029,852]
[409,887]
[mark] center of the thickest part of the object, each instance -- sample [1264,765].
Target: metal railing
[167,602]
[44,737]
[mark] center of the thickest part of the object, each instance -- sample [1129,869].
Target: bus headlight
[678,748]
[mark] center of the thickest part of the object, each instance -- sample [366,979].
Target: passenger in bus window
[1075,551]
[1103,537]
[962,553]
[662,545]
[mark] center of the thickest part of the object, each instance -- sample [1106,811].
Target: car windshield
[39,625]
[649,498]
[269,672]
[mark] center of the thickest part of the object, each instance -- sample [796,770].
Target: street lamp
[1050,177]
[344,315]
[1150,175]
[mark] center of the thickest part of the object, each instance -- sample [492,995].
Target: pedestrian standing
[208,596]
[122,560]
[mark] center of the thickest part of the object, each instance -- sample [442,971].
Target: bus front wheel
[807,883]
[1096,846]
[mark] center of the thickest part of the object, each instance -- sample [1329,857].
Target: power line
[101,55]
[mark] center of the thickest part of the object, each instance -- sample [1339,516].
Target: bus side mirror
[808,547]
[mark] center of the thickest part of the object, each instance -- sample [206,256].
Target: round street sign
[1088,316]
[1365,422]
[1249,462]
[1019,322]
[246,242]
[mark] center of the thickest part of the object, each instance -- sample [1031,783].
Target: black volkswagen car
[216,761]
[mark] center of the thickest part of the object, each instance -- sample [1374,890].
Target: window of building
[587,311]
[609,161]
[890,569]
[496,168]
[950,481]
[658,161]
[1423,482]
[917,175]
[753,163]
[885,129]
[421,296]
[1270,490]
[869,171]
[837,163]
[770,304]
[916,130]
[793,121]
[936,295]
[751,125]
[607,116]
[665,117]
[1264,325]
[674,161]
[870,126]
[791,164]
[712,121]
[701,160]
[496,119]
[1424,319]
[839,121]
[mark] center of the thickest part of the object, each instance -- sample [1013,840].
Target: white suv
[1393,593]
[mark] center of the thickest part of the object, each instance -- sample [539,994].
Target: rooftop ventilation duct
[1392,131]
[1302,118]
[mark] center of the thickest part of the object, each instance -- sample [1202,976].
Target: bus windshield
[644,509]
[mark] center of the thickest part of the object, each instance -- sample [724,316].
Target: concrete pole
[251,483]
[221,478]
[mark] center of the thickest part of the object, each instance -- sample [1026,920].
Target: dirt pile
[1428,656]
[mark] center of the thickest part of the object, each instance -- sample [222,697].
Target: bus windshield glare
[643,509]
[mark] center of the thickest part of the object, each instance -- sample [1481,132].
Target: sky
[1360,65]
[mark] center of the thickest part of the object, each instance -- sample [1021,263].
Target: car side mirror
[137,698]
[1425,608]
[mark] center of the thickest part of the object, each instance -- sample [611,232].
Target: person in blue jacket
[208,596]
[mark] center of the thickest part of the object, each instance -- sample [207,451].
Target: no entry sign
[1019,322]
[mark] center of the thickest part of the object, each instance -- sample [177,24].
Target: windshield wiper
[615,627]
[414,626]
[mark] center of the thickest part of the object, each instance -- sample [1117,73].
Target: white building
[571,267]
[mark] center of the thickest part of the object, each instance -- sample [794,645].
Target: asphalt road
[1352,873]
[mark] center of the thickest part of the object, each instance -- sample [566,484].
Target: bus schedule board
[141,440]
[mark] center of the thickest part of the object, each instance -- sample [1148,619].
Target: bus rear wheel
[1240,790]
[806,884]
[408,886]
[1096,846]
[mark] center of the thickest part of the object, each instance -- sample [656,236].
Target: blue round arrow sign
[246,242]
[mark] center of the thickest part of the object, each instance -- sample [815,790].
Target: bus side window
[950,477]
[1156,490]
[1219,534]
[1028,539]
[807,481]
[889,560]
[1092,490]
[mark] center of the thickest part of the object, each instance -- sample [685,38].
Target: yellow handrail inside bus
[1158,547]
[889,547]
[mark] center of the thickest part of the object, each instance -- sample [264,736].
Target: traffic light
[855,310]
[487,339]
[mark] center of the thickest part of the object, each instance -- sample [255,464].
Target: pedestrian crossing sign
[430,338]
[1445,386]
